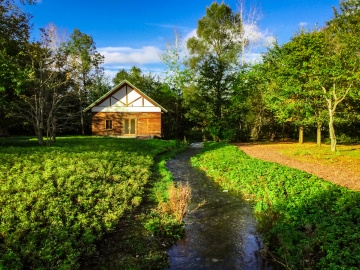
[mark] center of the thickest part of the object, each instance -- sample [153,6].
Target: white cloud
[257,37]
[172,26]
[148,57]
[303,24]
[253,58]
[189,35]
[133,56]
[110,73]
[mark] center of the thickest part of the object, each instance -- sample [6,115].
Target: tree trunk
[332,110]
[332,131]
[81,115]
[301,134]
[318,134]
[177,140]
[53,130]
[40,136]
[82,122]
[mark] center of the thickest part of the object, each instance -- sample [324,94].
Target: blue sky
[132,33]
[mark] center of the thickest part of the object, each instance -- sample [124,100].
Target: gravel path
[341,174]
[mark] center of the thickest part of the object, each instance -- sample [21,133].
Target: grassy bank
[56,202]
[307,222]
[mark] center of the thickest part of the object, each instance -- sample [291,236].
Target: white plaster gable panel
[138,102]
[148,103]
[105,103]
[120,94]
[125,97]
[117,103]
[133,95]
[125,109]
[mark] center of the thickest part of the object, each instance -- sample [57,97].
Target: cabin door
[130,126]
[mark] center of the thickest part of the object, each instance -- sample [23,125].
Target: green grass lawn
[311,152]
[57,201]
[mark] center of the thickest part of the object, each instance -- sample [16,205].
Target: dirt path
[343,174]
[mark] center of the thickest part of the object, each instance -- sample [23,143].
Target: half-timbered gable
[126,111]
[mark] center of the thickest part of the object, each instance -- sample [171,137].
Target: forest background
[307,88]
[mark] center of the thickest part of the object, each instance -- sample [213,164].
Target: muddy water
[219,235]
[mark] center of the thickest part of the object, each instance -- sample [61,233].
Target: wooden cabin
[125,111]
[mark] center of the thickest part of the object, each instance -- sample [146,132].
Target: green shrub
[307,222]
[166,219]
[56,201]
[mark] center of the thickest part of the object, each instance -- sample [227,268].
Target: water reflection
[219,235]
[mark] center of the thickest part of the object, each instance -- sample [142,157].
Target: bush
[167,218]
[56,201]
[307,222]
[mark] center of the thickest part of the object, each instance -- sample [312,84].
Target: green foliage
[56,201]
[315,76]
[145,83]
[176,78]
[161,222]
[308,223]
[292,95]
[214,61]
[84,63]
[14,35]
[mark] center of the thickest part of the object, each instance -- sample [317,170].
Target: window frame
[108,124]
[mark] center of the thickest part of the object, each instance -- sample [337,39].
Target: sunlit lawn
[346,155]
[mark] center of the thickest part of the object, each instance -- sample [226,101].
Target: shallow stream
[220,234]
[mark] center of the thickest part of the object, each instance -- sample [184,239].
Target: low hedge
[55,202]
[307,222]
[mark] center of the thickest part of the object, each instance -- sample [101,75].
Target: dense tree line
[313,79]
[45,84]
[309,84]
[300,89]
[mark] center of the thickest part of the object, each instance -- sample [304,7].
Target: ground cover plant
[308,223]
[142,236]
[341,168]
[55,202]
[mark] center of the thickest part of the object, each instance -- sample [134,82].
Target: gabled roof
[116,88]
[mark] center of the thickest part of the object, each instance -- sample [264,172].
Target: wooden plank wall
[146,123]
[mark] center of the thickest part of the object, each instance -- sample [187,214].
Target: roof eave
[115,89]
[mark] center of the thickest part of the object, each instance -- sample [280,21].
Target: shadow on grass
[211,146]
[18,141]
[82,144]
[314,231]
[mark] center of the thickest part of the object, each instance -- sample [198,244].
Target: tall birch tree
[176,76]
[84,61]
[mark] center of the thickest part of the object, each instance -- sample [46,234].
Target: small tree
[84,62]
[46,90]
[176,76]
[336,73]
[292,95]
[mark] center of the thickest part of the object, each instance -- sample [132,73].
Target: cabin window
[108,124]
